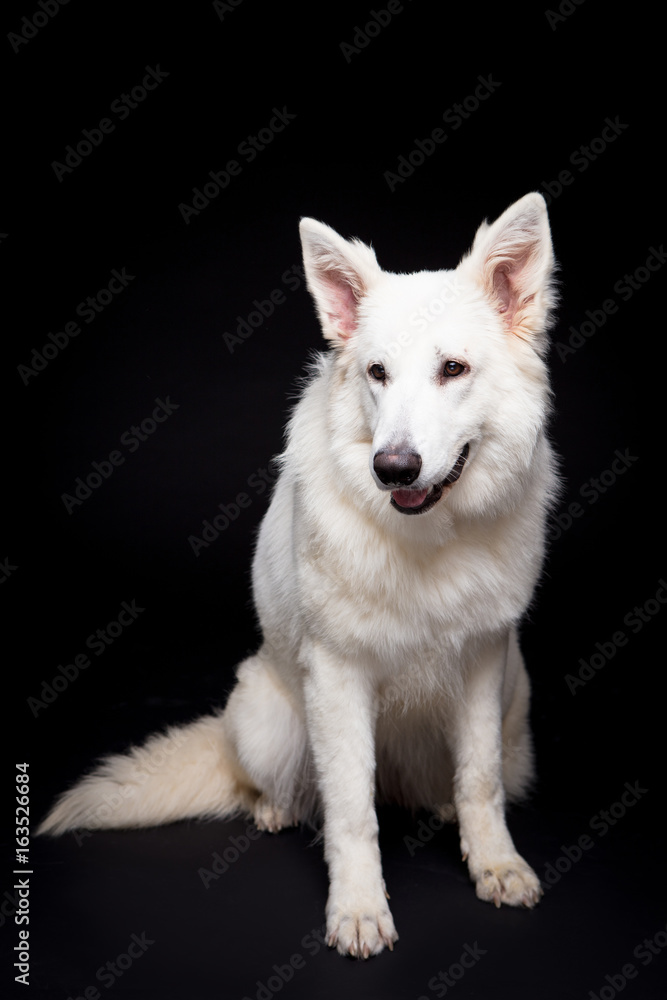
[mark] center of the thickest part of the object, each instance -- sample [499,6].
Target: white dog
[401,548]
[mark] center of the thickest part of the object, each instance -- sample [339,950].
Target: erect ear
[338,274]
[513,260]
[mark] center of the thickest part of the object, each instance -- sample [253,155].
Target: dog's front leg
[499,872]
[341,714]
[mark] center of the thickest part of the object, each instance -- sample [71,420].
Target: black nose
[397,468]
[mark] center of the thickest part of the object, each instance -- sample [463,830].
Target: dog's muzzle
[400,469]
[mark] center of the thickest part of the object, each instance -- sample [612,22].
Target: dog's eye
[377,372]
[453,368]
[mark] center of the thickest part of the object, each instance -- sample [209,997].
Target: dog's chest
[376,593]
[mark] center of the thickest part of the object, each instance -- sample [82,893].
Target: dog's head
[449,364]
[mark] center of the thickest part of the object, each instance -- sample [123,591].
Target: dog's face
[423,345]
[437,355]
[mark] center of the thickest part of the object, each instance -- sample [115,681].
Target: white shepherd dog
[401,548]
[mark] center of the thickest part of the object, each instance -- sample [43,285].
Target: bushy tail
[189,771]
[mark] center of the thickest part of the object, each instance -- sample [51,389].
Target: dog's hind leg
[252,758]
[264,724]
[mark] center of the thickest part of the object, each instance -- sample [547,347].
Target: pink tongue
[409,498]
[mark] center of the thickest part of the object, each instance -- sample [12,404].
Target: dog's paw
[270,817]
[510,881]
[360,932]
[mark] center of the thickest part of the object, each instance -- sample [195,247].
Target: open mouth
[412,501]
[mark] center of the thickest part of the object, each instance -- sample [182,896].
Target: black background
[67,574]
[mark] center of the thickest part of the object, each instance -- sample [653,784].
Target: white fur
[390,662]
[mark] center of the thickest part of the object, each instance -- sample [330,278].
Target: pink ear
[507,284]
[339,274]
[514,262]
[341,304]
